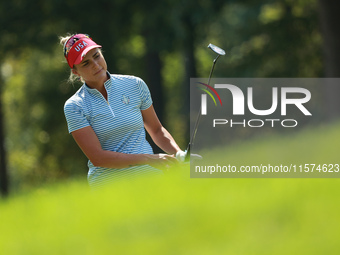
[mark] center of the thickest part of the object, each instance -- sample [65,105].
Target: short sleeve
[75,116]
[144,94]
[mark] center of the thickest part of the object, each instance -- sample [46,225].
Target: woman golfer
[107,117]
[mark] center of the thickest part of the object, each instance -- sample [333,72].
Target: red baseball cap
[77,47]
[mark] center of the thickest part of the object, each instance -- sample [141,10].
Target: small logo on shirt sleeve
[125,99]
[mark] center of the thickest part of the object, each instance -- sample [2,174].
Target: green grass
[178,215]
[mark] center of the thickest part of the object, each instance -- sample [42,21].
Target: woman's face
[93,68]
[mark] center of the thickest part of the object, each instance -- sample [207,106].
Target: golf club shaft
[199,115]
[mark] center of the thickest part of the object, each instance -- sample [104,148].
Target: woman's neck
[99,85]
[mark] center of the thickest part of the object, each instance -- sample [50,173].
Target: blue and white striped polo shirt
[117,122]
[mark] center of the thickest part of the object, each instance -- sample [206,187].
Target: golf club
[219,52]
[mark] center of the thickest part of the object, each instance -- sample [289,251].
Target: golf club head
[216,49]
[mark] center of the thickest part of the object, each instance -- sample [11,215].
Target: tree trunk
[4,180]
[329,23]
[154,80]
[190,72]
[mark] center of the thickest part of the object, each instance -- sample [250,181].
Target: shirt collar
[107,84]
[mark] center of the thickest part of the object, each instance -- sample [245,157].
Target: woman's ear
[74,71]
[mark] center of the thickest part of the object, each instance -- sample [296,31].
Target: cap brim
[83,54]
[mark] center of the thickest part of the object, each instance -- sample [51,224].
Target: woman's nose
[95,64]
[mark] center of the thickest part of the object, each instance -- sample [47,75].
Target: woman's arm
[158,133]
[88,141]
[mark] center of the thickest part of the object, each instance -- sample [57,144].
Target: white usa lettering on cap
[80,46]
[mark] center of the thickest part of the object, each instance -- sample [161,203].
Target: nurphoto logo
[295,96]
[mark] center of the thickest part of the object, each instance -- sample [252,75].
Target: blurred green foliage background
[163,42]
[50,209]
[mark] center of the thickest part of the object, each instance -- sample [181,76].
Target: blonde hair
[73,77]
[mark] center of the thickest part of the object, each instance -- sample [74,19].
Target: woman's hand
[161,161]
